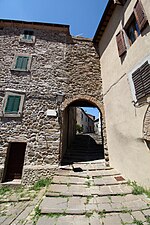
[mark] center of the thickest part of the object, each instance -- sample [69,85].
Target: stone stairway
[86,147]
[91,194]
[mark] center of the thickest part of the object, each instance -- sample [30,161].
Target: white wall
[124,122]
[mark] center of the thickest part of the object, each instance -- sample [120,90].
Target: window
[22,62]
[132,30]
[141,80]
[13,104]
[27,36]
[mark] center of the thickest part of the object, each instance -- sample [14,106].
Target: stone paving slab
[76,205]
[110,172]
[107,181]
[69,180]
[113,219]
[45,220]
[57,188]
[54,205]
[138,215]
[135,205]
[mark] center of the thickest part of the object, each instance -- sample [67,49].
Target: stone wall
[41,133]
[147,125]
[59,63]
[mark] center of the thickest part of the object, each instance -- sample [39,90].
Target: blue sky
[83,16]
[93,111]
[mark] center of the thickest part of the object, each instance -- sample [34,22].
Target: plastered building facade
[123,40]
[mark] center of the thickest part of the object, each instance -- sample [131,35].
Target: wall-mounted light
[59,97]
[59,100]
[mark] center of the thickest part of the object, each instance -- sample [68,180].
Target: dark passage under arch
[80,146]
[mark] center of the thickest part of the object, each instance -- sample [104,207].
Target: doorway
[14,161]
[82,133]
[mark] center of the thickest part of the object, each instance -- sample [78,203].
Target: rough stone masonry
[59,63]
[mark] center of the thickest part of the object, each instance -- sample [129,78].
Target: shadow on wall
[84,148]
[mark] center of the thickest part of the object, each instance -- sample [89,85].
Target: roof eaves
[35,23]
[104,21]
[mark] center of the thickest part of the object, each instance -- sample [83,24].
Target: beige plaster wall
[124,122]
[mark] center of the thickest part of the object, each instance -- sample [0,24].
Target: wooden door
[14,161]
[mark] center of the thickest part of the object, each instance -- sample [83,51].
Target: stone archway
[77,100]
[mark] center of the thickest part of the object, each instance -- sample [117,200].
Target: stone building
[123,40]
[43,70]
[84,120]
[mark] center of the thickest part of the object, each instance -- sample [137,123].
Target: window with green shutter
[28,35]
[22,62]
[12,105]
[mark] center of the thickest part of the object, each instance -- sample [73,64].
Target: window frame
[13,67]
[145,99]
[132,22]
[24,40]
[20,110]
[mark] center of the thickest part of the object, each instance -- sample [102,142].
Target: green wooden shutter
[18,62]
[9,104]
[29,37]
[13,103]
[24,63]
[16,103]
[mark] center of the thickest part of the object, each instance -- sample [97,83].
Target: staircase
[86,147]
[91,193]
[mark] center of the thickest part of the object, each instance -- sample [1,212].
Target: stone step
[90,173]
[86,167]
[100,181]
[95,219]
[89,190]
[78,206]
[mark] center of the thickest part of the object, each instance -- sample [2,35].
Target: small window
[22,62]
[132,30]
[13,104]
[28,34]
[1,28]
[27,37]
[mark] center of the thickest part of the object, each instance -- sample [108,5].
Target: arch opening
[82,132]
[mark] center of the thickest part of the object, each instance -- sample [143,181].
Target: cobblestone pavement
[86,194]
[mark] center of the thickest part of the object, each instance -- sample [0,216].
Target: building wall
[124,122]
[59,63]
[84,121]
[69,128]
